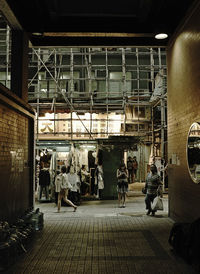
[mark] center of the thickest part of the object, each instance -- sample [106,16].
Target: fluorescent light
[161,36]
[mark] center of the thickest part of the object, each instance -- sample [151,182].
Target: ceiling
[95,23]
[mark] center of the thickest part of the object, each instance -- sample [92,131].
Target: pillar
[19,64]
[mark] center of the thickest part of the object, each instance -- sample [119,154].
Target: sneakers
[122,206]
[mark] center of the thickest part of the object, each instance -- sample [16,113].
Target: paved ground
[102,238]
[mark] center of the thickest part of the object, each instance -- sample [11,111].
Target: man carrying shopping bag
[153,188]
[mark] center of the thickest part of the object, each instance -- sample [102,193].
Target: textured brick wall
[14,163]
[183,60]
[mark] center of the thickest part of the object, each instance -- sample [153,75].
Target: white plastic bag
[157,203]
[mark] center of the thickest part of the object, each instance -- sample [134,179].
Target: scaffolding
[88,93]
[5,53]
[98,82]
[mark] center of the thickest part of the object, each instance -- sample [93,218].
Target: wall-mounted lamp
[161,36]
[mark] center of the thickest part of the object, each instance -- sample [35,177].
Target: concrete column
[19,64]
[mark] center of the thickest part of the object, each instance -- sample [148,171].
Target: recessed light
[161,36]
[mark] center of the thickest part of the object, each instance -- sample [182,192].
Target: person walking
[44,181]
[62,187]
[153,187]
[135,168]
[130,170]
[122,184]
[74,180]
[57,183]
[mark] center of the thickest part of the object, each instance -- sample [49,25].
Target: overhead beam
[9,15]
[96,41]
[96,34]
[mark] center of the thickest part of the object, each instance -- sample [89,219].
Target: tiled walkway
[102,238]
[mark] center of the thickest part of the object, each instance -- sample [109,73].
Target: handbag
[157,204]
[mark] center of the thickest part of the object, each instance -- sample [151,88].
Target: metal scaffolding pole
[140,161]
[152,68]
[124,87]
[7,54]
[38,100]
[90,88]
[88,63]
[107,93]
[152,128]
[71,75]
[162,104]
[56,77]
[71,88]
[163,116]
[138,89]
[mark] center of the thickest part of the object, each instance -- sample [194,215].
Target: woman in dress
[122,184]
[62,187]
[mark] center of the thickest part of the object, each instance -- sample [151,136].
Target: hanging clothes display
[83,159]
[91,166]
[77,165]
[99,180]
[73,159]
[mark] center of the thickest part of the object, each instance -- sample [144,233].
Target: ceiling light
[37,33]
[161,36]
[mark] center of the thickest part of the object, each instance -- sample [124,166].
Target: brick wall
[16,164]
[183,60]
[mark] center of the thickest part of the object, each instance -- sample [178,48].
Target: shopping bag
[157,203]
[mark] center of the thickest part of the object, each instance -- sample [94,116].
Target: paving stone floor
[102,238]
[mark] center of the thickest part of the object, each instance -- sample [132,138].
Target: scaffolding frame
[110,101]
[106,98]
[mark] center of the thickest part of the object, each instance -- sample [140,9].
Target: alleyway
[102,238]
